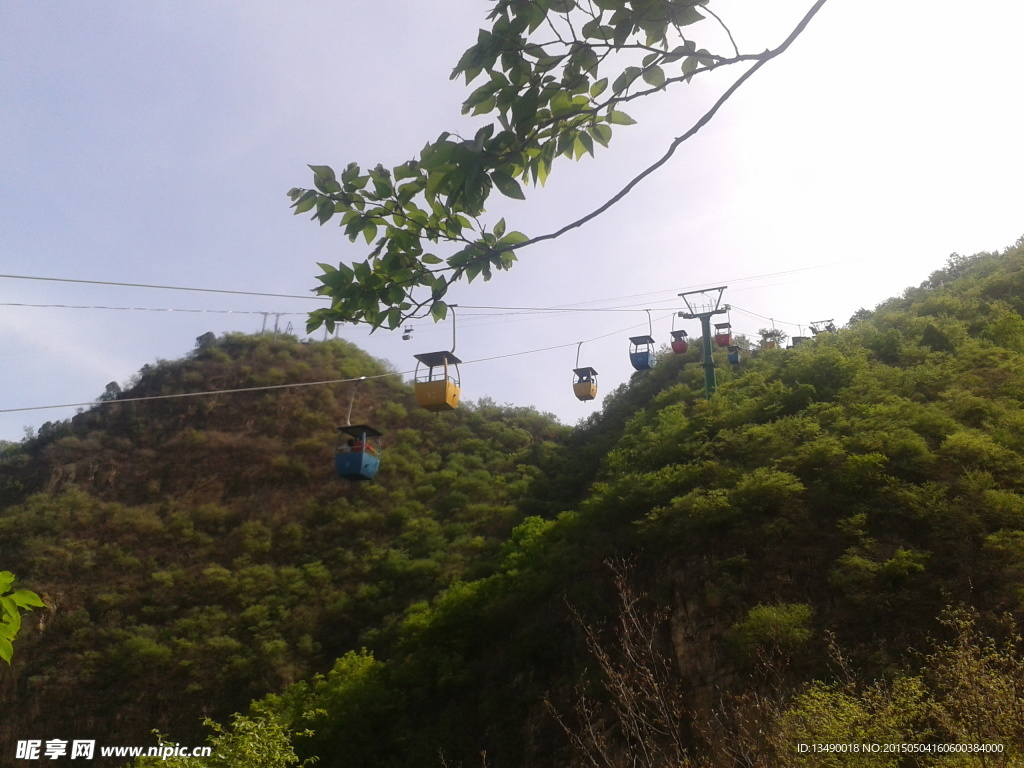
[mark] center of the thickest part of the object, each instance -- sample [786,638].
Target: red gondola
[679,341]
[723,334]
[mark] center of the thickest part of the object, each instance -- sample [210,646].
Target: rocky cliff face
[698,625]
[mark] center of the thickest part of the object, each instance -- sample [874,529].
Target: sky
[154,143]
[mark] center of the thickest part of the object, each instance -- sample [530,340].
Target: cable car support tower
[703,305]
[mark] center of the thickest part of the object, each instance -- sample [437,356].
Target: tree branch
[722,23]
[704,120]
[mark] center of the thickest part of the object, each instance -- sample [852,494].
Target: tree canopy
[554,78]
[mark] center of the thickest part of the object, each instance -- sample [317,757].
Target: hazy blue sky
[154,143]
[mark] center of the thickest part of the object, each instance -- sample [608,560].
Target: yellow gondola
[584,383]
[438,387]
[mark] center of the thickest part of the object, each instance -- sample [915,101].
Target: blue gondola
[357,456]
[641,352]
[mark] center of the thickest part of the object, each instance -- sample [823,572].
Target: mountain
[196,552]
[827,551]
[831,501]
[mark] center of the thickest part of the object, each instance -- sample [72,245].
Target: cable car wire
[149,309]
[566,308]
[162,287]
[201,394]
[763,317]
[517,310]
[297,384]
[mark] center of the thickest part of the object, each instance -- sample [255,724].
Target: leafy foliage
[11,605]
[555,75]
[249,742]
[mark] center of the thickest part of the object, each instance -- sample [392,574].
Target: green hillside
[851,488]
[780,560]
[198,552]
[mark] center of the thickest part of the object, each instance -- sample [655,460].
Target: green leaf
[620,118]
[508,186]
[25,599]
[6,579]
[513,238]
[439,287]
[12,626]
[323,172]
[407,170]
[436,155]
[328,186]
[601,133]
[534,50]
[547,63]
[654,76]
[499,228]
[678,52]
[622,32]
[535,15]
[598,88]
[306,202]
[565,143]
[6,650]
[324,210]
[410,189]
[485,106]
[588,60]
[434,182]
[354,227]
[525,108]
[561,104]
[439,310]
[350,173]
[685,15]
[626,78]
[584,145]
[590,29]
